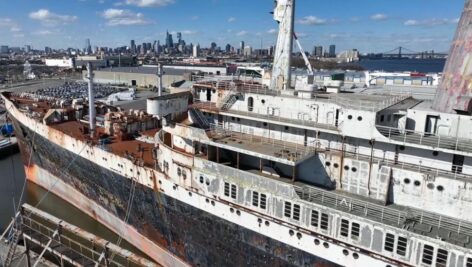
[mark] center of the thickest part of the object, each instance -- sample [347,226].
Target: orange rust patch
[31,173]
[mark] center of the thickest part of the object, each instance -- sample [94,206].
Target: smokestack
[455,91]
[160,73]
[284,14]
[91,97]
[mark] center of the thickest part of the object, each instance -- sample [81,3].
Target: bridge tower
[455,91]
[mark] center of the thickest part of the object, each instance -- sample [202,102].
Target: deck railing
[426,139]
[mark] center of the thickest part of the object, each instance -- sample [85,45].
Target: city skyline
[410,24]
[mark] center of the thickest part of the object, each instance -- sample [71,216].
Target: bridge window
[389,242]
[441,258]
[250,104]
[324,224]
[344,228]
[382,118]
[401,245]
[233,191]
[255,199]
[428,252]
[468,262]
[355,231]
[296,212]
[263,202]
[315,216]
[226,189]
[287,209]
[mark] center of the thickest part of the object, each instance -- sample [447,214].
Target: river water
[391,65]
[12,179]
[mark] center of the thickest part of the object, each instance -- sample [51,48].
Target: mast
[159,76]
[91,98]
[284,14]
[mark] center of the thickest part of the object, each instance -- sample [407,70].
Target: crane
[305,58]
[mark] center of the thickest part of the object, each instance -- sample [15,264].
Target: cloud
[123,17]
[430,22]
[185,32]
[44,32]
[378,17]
[231,19]
[272,31]
[312,20]
[242,33]
[194,17]
[149,3]
[49,18]
[10,24]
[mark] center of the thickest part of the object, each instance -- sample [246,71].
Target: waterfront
[393,65]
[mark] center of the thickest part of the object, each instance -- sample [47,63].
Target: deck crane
[305,58]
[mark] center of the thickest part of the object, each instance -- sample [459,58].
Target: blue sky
[369,25]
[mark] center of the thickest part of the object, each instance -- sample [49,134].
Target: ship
[245,171]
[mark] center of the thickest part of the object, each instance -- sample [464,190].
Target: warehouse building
[143,77]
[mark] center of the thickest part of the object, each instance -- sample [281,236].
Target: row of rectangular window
[230,190]
[353,227]
[441,256]
[400,241]
[259,200]
[292,213]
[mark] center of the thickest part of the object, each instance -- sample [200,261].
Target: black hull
[195,236]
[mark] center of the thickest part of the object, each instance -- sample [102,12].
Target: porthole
[402,148]
[336,165]
[328,163]
[231,210]
[440,188]
[291,232]
[259,220]
[179,172]
[355,256]
[354,169]
[190,194]
[265,124]
[160,182]
[267,223]
[435,153]
[213,203]
[201,179]
[207,200]
[263,101]
[207,182]
[299,235]
[317,242]
[417,183]
[430,186]
[345,252]
[406,181]
[346,168]
[238,213]
[286,128]
[326,245]
[214,91]
[359,118]
[349,117]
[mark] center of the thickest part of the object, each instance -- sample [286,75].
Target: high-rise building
[48,50]
[318,51]
[179,38]
[4,49]
[27,48]
[228,48]
[196,50]
[241,47]
[169,41]
[88,46]
[132,47]
[332,51]
[247,52]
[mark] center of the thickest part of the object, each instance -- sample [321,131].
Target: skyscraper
[179,37]
[241,47]
[332,51]
[88,46]
[132,47]
[169,41]
[318,51]
[196,50]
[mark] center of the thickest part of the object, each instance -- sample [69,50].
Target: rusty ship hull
[156,220]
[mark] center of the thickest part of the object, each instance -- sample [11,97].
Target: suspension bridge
[403,52]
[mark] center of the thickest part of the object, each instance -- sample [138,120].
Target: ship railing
[292,150]
[383,214]
[367,105]
[413,167]
[345,203]
[290,116]
[426,139]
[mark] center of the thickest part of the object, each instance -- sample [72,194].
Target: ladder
[13,244]
[199,118]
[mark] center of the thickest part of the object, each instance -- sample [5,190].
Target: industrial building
[139,76]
